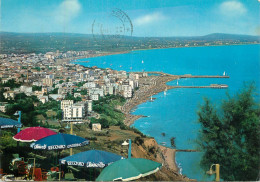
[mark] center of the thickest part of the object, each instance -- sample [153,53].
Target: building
[96,127]
[94,97]
[47,82]
[65,90]
[89,105]
[2,106]
[127,91]
[76,112]
[66,103]
[9,95]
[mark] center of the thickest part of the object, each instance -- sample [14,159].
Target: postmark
[115,27]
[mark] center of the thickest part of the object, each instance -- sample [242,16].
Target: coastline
[76,59]
[148,86]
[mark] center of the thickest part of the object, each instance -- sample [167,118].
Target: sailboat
[224,74]
[165,91]
[143,61]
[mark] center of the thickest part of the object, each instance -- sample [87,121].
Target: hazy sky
[149,17]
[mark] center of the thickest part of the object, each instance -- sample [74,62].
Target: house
[43,99]
[96,127]
[77,95]
[65,90]
[2,106]
[9,95]
[56,96]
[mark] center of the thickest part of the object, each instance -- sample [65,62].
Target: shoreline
[148,86]
[76,60]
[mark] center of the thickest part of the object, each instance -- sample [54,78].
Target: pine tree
[230,136]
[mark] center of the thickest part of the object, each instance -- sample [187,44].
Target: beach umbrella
[129,169]
[33,134]
[91,158]
[9,123]
[59,141]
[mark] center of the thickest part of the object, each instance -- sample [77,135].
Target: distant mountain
[221,36]
[11,42]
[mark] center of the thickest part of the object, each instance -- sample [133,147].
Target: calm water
[175,112]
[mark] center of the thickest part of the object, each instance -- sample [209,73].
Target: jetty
[183,76]
[216,86]
[156,82]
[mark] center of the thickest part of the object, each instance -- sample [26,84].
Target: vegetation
[230,136]
[106,107]
[36,88]
[10,83]
[46,42]
[173,142]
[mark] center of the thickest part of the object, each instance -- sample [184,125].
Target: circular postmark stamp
[114,27]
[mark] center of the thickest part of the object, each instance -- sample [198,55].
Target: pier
[215,86]
[202,76]
[184,76]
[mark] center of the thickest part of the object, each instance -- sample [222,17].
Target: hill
[46,42]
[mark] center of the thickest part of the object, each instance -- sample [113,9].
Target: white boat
[224,74]
[165,91]
[177,82]
[143,61]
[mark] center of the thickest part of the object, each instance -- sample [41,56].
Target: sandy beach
[148,86]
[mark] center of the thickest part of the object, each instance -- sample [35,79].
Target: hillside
[46,42]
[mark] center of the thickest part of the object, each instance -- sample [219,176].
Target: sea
[175,112]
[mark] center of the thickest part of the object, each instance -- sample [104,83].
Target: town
[51,77]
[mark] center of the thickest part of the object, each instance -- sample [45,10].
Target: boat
[151,100]
[224,74]
[177,82]
[143,61]
[163,143]
[165,91]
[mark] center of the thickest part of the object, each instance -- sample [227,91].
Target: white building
[90,105]
[94,97]
[76,112]
[66,103]
[127,91]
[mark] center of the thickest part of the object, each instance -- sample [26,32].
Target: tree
[230,137]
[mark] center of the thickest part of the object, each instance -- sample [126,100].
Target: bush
[139,141]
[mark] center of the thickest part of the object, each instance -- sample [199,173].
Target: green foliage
[106,107]
[6,140]
[36,88]
[10,83]
[71,97]
[173,142]
[37,68]
[25,104]
[2,98]
[61,81]
[139,141]
[54,91]
[84,92]
[230,137]
[80,84]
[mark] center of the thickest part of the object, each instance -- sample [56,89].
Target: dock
[184,76]
[215,86]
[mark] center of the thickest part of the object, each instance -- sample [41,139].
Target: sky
[158,18]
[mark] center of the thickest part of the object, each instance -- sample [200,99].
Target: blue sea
[175,113]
